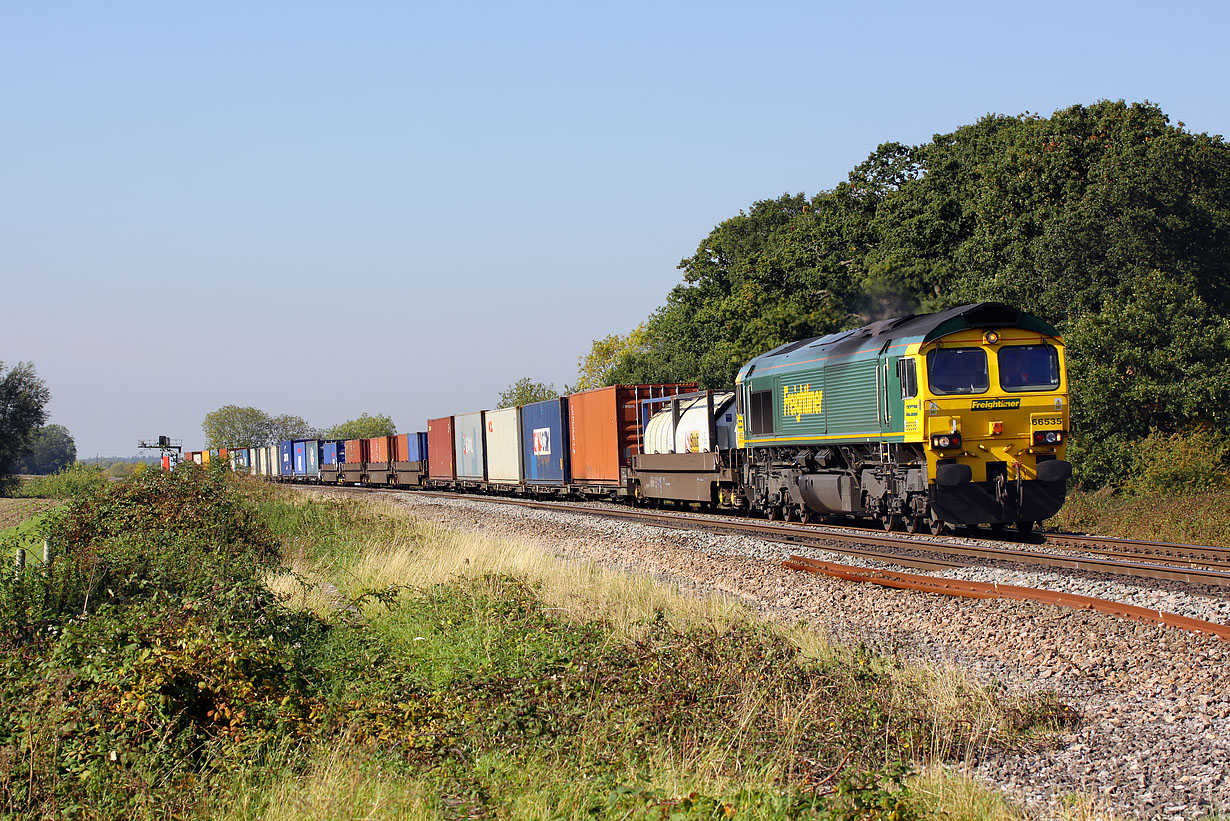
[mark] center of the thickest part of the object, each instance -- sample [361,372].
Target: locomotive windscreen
[957,370]
[1028,368]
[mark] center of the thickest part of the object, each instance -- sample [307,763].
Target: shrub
[148,658]
[72,482]
[1191,461]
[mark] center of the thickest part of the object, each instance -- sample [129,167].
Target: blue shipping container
[416,444]
[330,452]
[301,458]
[287,454]
[544,442]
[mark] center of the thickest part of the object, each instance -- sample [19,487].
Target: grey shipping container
[470,446]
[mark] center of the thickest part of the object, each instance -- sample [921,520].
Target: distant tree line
[23,402]
[1105,220]
[50,449]
[234,427]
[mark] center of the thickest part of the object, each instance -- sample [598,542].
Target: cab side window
[909,378]
[761,416]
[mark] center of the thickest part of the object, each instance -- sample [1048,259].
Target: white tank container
[692,434]
[504,446]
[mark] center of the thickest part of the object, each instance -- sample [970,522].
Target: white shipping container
[692,435]
[261,455]
[504,446]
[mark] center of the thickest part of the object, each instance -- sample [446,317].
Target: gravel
[1154,735]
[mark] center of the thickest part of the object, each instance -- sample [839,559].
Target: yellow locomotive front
[991,414]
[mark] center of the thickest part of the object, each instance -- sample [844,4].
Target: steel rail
[736,527]
[823,538]
[987,590]
[1209,555]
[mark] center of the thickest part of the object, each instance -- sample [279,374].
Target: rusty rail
[991,590]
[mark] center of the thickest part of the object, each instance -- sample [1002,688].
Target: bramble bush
[148,659]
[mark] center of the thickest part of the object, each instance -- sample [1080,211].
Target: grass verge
[677,694]
[205,647]
[1180,518]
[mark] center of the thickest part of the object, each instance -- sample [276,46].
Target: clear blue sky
[329,209]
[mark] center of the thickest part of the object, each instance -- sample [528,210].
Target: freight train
[957,418]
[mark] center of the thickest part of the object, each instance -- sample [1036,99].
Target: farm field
[14,512]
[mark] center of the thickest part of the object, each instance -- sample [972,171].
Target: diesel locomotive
[957,417]
[921,422]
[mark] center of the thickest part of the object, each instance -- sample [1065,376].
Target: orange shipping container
[440,461]
[603,433]
[378,449]
[401,448]
[356,451]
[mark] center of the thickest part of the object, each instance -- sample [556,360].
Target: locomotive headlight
[946,440]
[992,337]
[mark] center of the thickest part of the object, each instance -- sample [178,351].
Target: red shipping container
[441,463]
[603,433]
[401,448]
[356,451]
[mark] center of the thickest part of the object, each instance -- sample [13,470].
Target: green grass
[16,513]
[1182,518]
[582,693]
[179,659]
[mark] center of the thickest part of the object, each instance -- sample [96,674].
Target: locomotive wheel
[935,525]
[913,524]
[890,521]
[775,513]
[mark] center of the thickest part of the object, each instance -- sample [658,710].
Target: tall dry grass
[390,548]
[418,554]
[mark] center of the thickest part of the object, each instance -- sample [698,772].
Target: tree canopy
[51,450]
[524,391]
[1106,220]
[604,355]
[231,426]
[287,426]
[364,427]
[23,399]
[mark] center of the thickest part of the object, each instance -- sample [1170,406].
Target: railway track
[935,556]
[1186,554]
[926,553]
